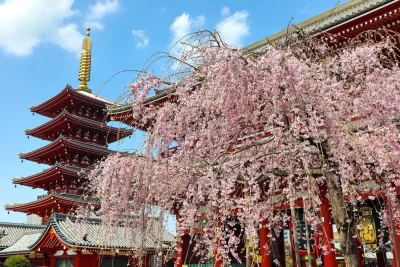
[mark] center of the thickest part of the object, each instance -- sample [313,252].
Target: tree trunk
[343,224]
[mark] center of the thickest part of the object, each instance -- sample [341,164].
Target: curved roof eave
[101,150]
[325,21]
[89,97]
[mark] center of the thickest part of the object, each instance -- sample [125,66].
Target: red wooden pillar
[96,262]
[52,261]
[179,251]
[394,234]
[264,245]
[397,236]
[327,233]
[134,262]
[78,259]
[217,259]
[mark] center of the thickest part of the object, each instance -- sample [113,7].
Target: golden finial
[84,68]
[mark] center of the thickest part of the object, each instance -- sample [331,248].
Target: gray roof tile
[88,234]
[325,21]
[15,231]
[21,246]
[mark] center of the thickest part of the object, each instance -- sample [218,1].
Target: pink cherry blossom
[256,133]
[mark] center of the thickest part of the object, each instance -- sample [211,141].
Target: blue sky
[40,42]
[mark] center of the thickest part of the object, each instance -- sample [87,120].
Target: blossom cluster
[254,135]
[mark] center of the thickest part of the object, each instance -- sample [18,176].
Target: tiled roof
[62,196]
[21,246]
[83,93]
[98,149]
[14,231]
[77,198]
[94,96]
[86,121]
[326,20]
[88,234]
[114,109]
[76,170]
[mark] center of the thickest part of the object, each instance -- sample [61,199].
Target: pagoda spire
[84,68]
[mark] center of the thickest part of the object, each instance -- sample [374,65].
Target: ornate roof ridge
[23,225]
[94,96]
[325,20]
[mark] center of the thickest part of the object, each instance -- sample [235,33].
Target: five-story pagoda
[78,137]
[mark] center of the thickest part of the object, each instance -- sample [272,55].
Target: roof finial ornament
[84,68]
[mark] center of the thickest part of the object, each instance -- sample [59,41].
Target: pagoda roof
[87,234]
[63,142]
[49,200]
[112,133]
[123,112]
[21,246]
[69,92]
[328,20]
[162,95]
[54,171]
[14,231]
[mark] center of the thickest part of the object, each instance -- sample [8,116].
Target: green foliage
[17,261]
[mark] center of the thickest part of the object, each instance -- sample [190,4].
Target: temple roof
[63,142]
[14,231]
[21,246]
[123,112]
[87,234]
[50,200]
[46,107]
[112,133]
[55,170]
[328,20]
[362,14]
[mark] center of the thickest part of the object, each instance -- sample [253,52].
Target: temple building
[337,26]
[78,137]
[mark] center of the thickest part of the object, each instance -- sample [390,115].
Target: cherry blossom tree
[301,120]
